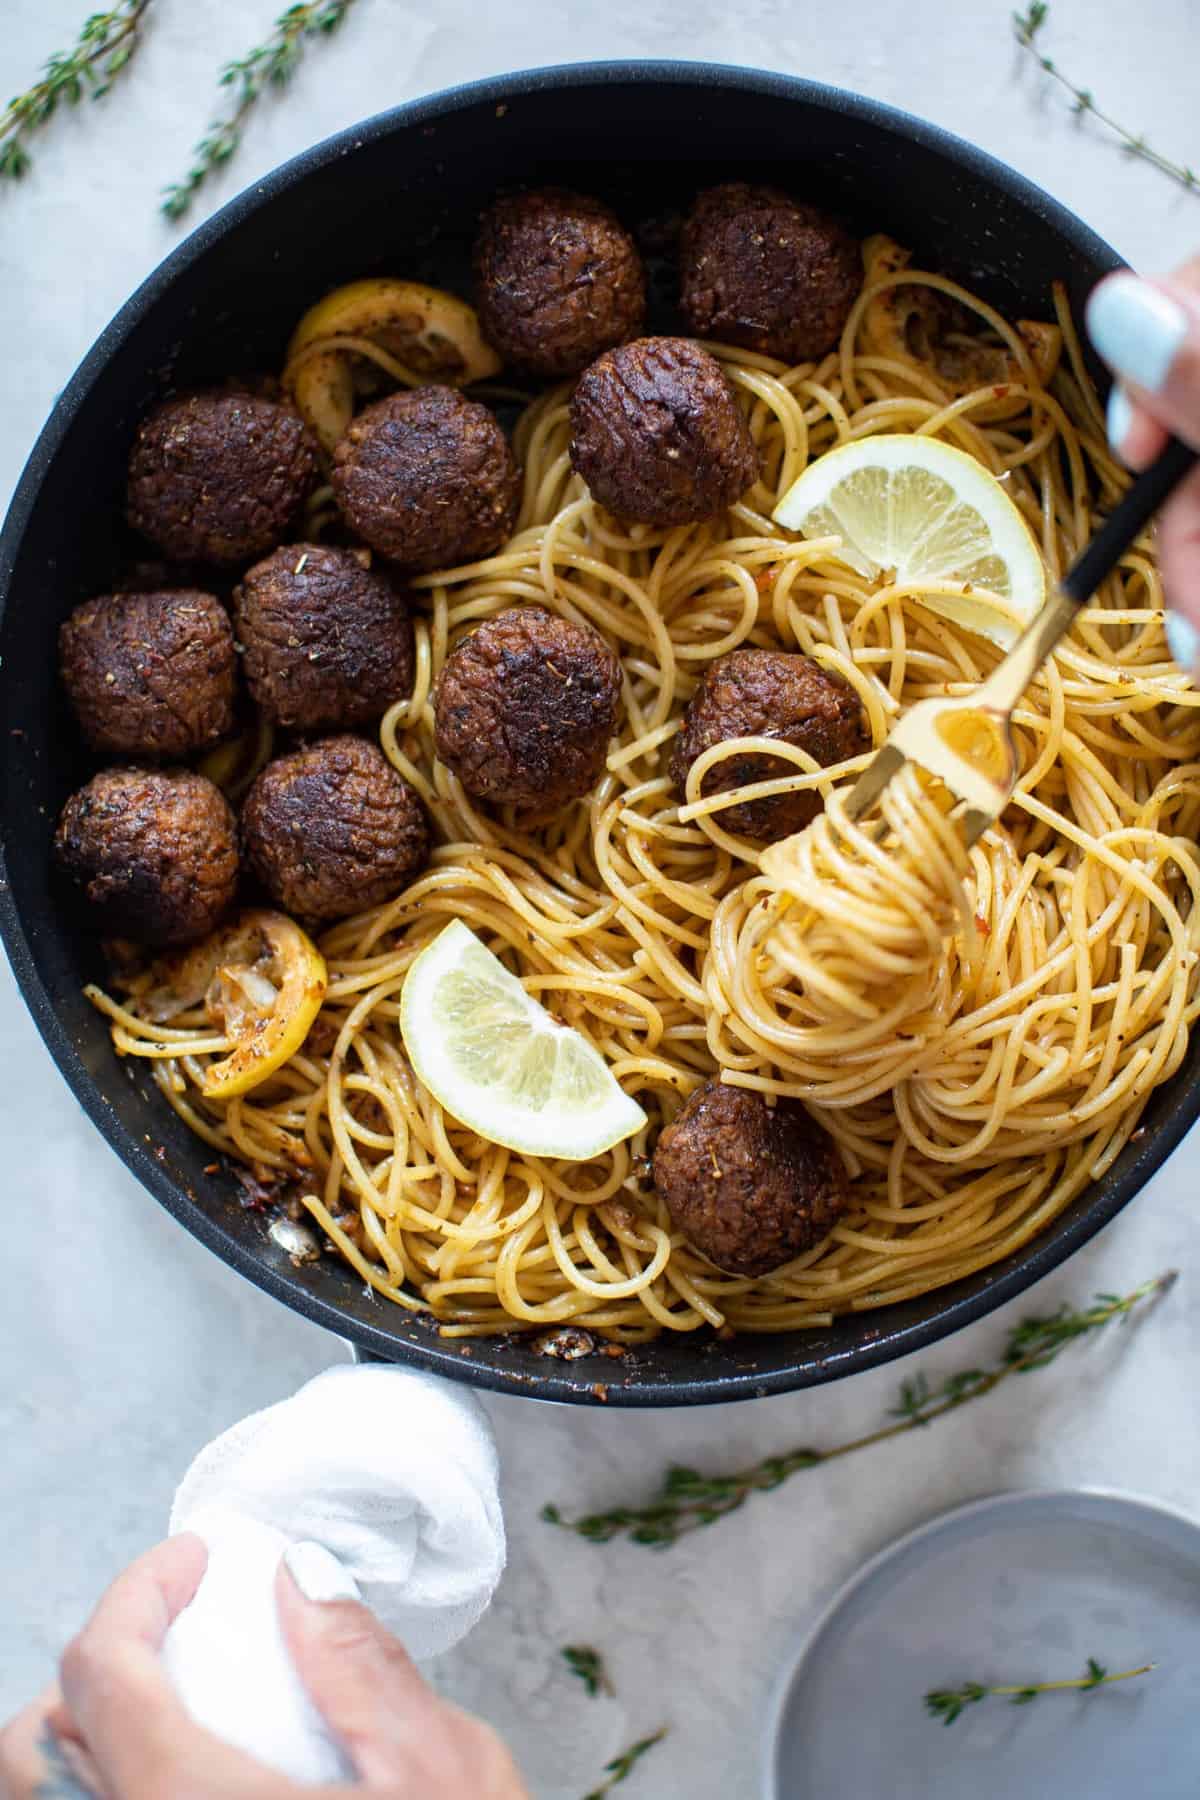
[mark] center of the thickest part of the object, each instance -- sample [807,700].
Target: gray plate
[1023,1586]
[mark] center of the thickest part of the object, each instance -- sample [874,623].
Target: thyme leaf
[588,1665]
[949,1704]
[269,65]
[689,1499]
[621,1767]
[105,45]
[1027,27]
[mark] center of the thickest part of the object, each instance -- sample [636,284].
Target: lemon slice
[434,334]
[495,1058]
[260,979]
[933,515]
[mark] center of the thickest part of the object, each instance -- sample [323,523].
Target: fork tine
[887,761]
[973,823]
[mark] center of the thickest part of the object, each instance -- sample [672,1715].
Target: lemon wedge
[497,1061]
[933,515]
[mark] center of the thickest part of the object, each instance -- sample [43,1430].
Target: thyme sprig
[689,1500]
[621,1767]
[1027,26]
[270,65]
[948,1704]
[588,1665]
[105,45]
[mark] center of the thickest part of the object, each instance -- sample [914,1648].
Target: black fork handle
[1152,489]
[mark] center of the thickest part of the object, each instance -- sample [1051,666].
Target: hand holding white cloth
[394,1473]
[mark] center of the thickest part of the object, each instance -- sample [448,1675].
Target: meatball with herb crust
[426,477]
[525,708]
[658,435]
[219,477]
[154,853]
[760,269]
[773,694]
[557,280]
[327,640]
[333,829]
[150,674]
[751,1186]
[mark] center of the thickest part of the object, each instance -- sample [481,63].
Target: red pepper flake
[212,1168]
[981,925]
[1001,392]
[765,579]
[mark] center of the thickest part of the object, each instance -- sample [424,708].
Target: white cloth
[392,1472]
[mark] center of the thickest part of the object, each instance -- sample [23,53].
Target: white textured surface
[126,1346]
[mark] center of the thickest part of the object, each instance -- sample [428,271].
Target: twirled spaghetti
[978,1032]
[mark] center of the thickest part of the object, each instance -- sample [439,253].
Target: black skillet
[400,194]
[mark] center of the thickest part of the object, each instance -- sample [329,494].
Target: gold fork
[967,744]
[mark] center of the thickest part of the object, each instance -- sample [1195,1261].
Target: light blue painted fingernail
[1120,417]
[1137,329]
[1183,641]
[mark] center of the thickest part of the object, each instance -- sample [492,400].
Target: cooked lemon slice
[495,1058]
[435,336]
[932,514]
[266,991]
[260,979]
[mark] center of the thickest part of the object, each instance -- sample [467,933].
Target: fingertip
[1118,417]
[319,1603]
[1133,433]
[1179,555]
[333,1636]
[1098,294]
[188,1543]
[172,1570]
[1138,327]
[313,1573]
[359,1677]
[1183,641]
[145,1598]
[188,1554]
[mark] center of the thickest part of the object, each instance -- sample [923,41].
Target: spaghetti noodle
[978,1032]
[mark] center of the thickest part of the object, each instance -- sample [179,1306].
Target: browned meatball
[657,434]
[333,829]
[768,693]
[154,851]
[751,1186]
[525,707]
[219,476]
[557,280]
[150,674]
[427,478]
[328,640]
[761,269]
